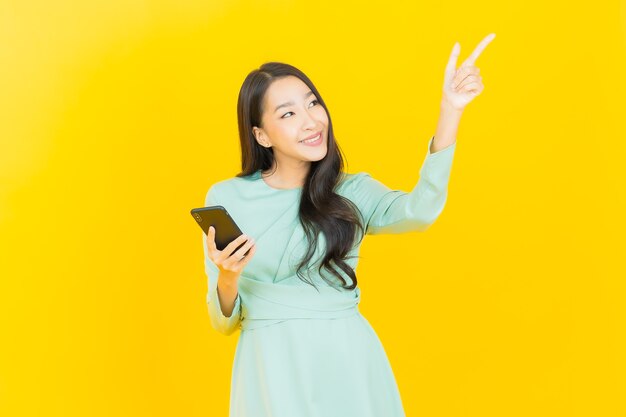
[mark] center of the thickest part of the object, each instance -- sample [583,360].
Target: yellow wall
[116,116]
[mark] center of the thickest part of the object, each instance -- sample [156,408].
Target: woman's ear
[260,137]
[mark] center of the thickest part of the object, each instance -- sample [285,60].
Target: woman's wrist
[447,109]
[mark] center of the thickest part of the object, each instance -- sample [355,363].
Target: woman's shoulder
[350,183]
[351,179]
[230,187]
[227,183]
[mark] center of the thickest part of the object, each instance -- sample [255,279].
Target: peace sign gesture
[462,85]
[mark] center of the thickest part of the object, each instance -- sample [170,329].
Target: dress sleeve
[394,211]
[223,324]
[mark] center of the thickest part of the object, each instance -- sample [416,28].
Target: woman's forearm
[447,127]
[227,294]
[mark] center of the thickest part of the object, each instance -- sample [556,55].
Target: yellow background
[116,117]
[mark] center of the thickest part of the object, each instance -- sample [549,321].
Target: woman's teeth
[311,140]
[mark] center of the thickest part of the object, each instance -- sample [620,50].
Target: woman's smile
[314,141]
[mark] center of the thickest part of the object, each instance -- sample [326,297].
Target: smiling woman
[304,347]
[286,112]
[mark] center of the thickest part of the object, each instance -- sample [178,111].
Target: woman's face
[291,114]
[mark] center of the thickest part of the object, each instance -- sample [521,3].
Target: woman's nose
[310,121]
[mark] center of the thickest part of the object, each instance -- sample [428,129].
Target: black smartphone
[226,230]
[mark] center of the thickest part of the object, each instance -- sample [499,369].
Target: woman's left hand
[462,85]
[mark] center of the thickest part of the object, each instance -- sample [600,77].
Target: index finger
[478,50]
[234,244]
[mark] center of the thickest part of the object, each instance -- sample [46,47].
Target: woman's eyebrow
[290,103]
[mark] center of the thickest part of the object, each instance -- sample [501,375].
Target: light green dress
[303,352]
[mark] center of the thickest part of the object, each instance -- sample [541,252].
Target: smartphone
[226,230]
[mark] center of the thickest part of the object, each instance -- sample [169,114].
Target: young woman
[304,349]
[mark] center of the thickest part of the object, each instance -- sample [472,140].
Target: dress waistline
[263,301]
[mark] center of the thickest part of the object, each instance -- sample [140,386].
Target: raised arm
[394,211]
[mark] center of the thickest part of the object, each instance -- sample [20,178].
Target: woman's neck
[285,176]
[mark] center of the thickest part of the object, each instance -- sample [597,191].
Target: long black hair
[321,209]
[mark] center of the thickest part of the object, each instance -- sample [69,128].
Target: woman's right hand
[230,263]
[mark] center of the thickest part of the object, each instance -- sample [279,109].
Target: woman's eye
[283,116]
